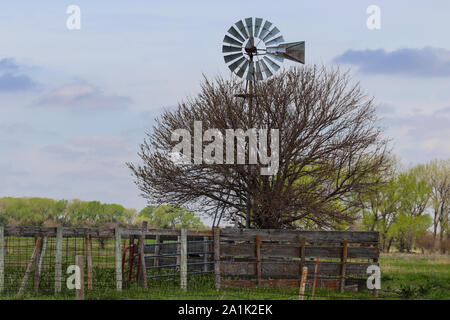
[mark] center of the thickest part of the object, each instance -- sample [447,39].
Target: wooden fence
[238,257]
[276,257]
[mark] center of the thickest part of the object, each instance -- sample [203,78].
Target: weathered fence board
[290,269]
[293,235]
[291,251]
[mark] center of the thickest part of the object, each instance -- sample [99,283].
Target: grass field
[404,276]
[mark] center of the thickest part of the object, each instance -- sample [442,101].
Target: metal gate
[163,256]
[166,254]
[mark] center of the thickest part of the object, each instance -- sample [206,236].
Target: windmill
[254,49]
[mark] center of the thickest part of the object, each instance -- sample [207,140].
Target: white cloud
[420,137]
[424,62]
[82,96]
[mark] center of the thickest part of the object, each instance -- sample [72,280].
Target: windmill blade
[258,23]
[231,41]
[259,75]
[294,51]
[276,57]
[236,64]
[266,69]
[265,29]
[235,34]
[232,57]
[271,34]
[231,49]
[277,49]
[249,23]
[241,28]
[242,69]
[272,64]
[251,71]
[275,41]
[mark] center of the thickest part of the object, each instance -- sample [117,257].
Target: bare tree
[329,145]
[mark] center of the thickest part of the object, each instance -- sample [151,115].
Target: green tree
[437,174]
[380,210]
[37,211]
[407,229]
[169,216]
[397,210]
[30,211]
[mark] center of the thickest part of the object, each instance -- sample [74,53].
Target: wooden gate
[276,257]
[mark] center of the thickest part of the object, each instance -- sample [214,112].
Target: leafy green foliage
[398,210]
[169,216]
[43,211]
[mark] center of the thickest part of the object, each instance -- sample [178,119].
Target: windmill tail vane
[254,48]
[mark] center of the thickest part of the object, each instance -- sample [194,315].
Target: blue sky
[74,105]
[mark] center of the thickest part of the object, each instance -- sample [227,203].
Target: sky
[76,104]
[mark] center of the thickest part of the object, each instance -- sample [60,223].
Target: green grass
[404,276]
[416,276]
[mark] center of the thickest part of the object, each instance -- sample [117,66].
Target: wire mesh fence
[35,260]
[30,263]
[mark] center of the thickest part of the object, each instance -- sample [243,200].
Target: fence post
[316,269]
[118,251]
[343,262]
[143,266]
[205,253]
[156,258]
[303,283]
[79,261]
[88,245]
[36,265]
[31,264]
[58,259]
[2,258]
[258,258]
[183,259]
[42,257]
[302,254]
[178,252]
[217,257]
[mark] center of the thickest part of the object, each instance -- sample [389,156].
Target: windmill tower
[254,50]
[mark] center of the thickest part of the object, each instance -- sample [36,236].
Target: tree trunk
[389,246]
